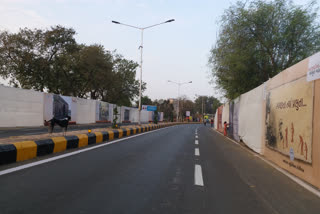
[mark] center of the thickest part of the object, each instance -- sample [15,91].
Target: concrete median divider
[25,150]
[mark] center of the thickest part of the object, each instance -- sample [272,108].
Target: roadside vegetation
[258,39]
[52,61]
[202,104]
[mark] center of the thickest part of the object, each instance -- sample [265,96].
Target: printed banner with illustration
[59,107]
[102,111]
[289,119]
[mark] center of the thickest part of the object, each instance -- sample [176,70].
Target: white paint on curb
[198,180]
[18,168]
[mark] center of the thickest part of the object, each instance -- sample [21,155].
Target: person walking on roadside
[211,122]
[225,128]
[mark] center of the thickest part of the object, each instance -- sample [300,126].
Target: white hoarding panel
[19,107]
[250,118]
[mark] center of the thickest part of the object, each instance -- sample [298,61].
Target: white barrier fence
[20,107]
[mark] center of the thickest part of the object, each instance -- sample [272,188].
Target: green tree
[124,87]
[145,100]
[52,61]
[85,73]
[208,104]
[166,107]
[259,39]
[186,105]
[28,57]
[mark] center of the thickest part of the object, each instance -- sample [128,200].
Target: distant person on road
[205,122]
[225,128]
[211,122]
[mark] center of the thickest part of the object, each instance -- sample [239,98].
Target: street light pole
[140,87]
[202,106]
[179,84]
[141,53]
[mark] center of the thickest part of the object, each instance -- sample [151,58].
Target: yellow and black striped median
[25,150]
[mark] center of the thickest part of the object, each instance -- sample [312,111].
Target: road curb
[26,150]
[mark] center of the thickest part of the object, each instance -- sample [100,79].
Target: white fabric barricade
[134,115]
[235,119]
[250,118]
[225,113]
[103,111]
[86,111]
[216,120]
[144,116]
[20,107]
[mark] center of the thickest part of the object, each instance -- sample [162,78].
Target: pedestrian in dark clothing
[211,122]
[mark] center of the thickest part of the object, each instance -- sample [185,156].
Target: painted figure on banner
[289,118]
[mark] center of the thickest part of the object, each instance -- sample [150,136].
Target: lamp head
[115,22]
[170,20]
[190,82]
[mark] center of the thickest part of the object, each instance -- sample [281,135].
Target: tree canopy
[52,61]
[259,39]
[209,104]
[145,100]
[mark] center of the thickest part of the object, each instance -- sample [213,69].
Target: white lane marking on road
[18,168]
[198,180]
[196,142]
[196,152]
[196,136]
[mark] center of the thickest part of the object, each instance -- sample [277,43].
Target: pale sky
[176,51]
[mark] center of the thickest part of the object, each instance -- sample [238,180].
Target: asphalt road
[155,173]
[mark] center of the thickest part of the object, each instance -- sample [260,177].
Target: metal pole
[202,107]
[178,110]
[141,46]
[140,89]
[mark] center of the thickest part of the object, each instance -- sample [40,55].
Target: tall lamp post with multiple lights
[179,84]
[141,50]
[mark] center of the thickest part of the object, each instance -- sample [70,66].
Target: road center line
[196,142]
[196,136]
[196,152]
[198,180]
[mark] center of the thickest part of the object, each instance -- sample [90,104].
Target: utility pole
[179,84]
[141,52]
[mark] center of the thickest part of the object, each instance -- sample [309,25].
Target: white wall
[216,120]
[48,106]
[19,107]
[161,116]
[235,121]
[225,113]
[250,118]
[134,115]
[144,116]
[86,111]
